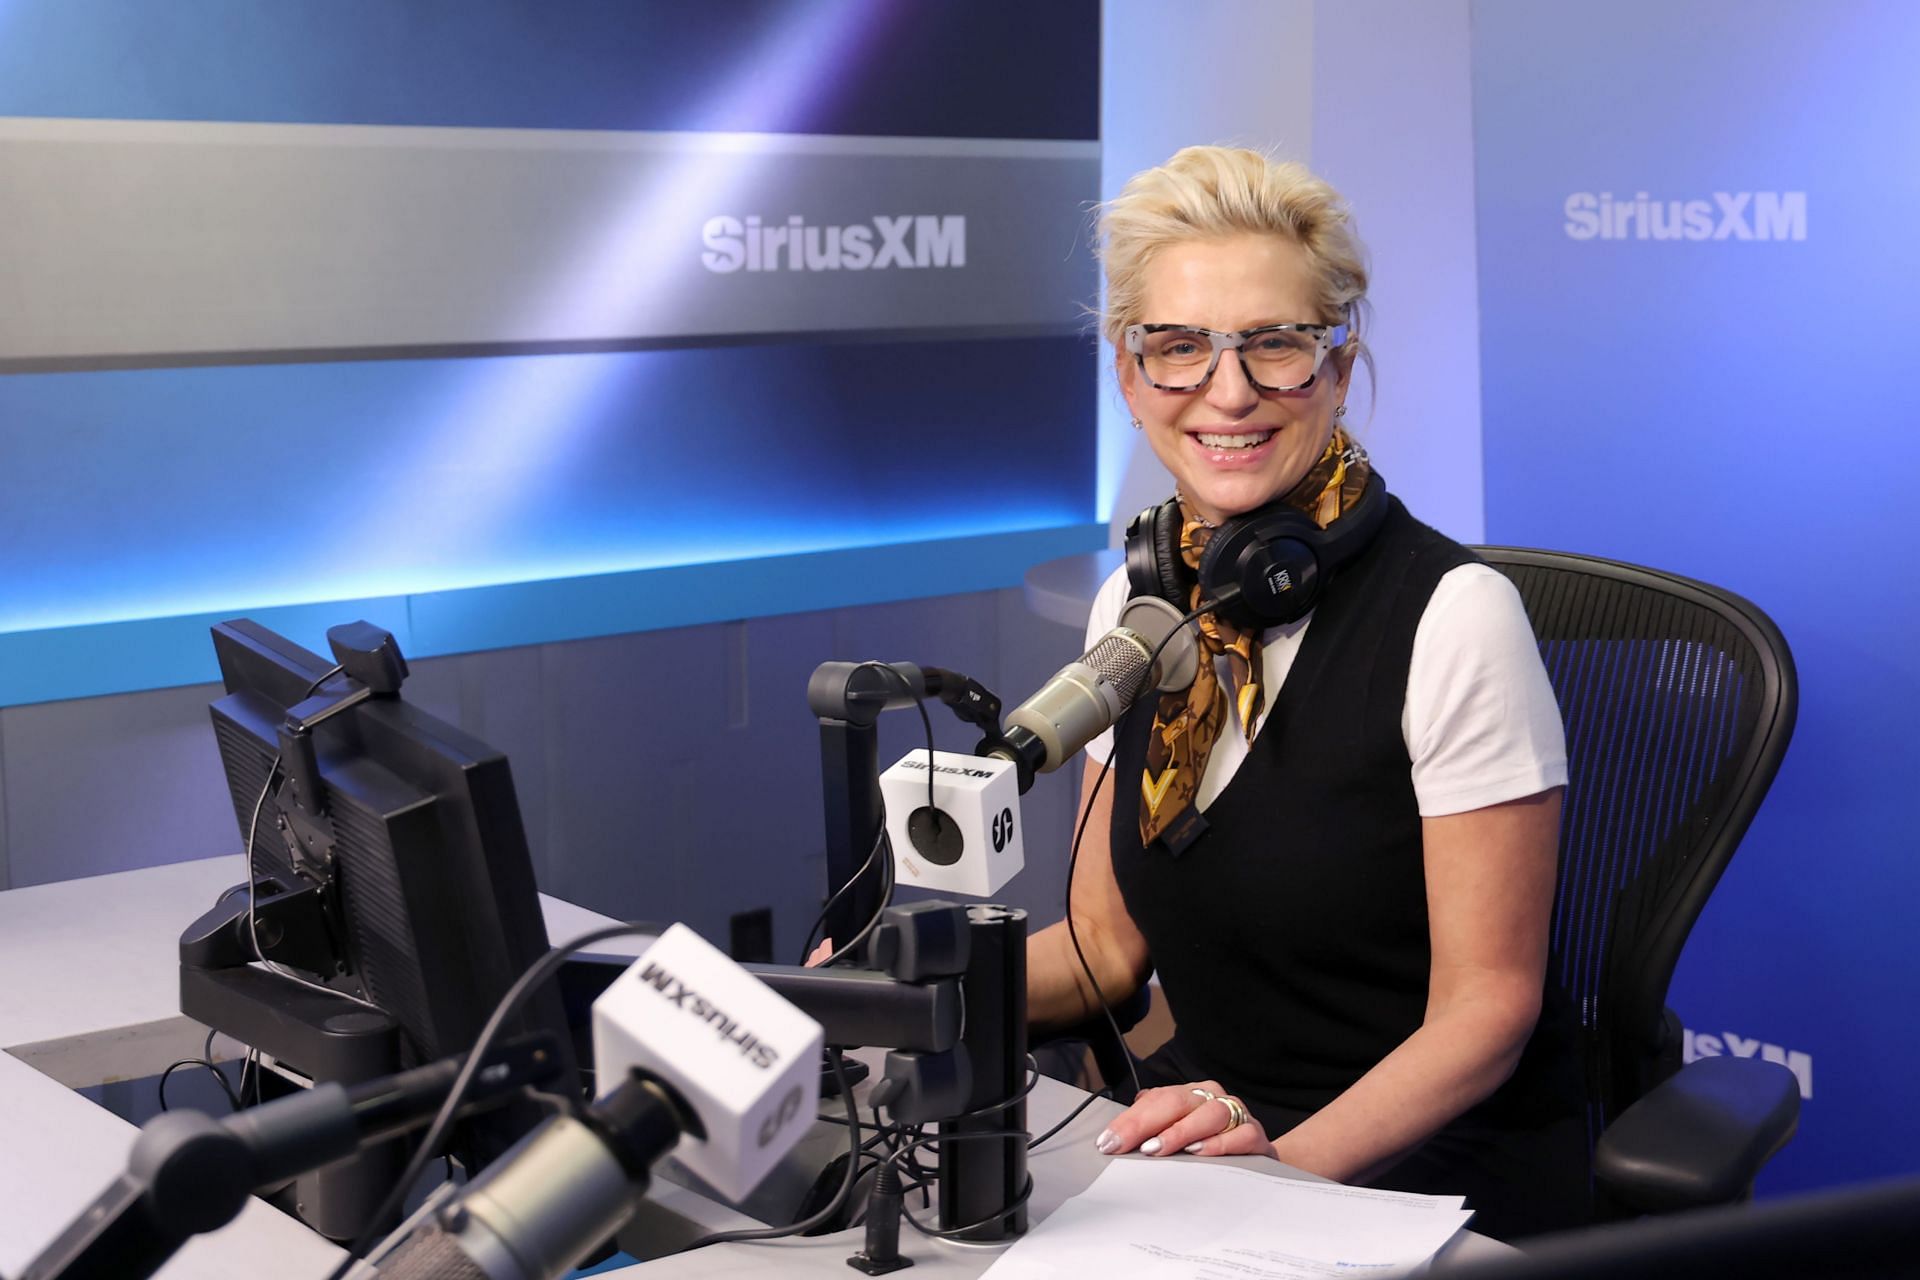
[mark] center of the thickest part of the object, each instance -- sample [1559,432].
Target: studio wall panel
[1696,269]
[322,302]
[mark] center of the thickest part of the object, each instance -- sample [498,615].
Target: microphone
[694,1055]
[953,820]
[1085,697]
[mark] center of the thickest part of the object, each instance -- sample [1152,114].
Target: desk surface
[89,993]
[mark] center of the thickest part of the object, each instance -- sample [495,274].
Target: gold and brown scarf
[1188,722]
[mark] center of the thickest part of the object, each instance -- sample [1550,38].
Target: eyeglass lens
[1278,360]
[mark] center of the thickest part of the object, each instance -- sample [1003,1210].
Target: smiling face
[1231,446]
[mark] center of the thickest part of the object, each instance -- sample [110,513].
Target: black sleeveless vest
[1291,937]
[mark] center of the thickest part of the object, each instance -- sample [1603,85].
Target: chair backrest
[1678,700]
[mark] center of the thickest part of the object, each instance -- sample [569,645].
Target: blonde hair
[1209,192]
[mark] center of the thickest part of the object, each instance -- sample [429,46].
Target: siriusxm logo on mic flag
[976,842]
[745,1061]
[1729,215]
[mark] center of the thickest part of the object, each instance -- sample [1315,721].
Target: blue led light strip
[156,653]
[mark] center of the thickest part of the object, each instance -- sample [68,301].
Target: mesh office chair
[1678,700]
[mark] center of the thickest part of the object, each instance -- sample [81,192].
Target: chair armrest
[1699,1137]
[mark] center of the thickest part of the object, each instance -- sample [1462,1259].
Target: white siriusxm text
[1698,1044]
[1730,215]
[909,240]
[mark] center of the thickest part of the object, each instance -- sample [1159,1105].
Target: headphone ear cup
[1270,556]
[1154,567]
[1174,583]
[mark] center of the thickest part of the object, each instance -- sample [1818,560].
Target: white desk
[89,993]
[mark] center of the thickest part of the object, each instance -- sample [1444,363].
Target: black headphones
[1276,556]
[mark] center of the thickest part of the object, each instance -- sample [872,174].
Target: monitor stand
[323,1037]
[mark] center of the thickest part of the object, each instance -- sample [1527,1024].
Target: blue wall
[1738,407]
[867,67]
[159,495]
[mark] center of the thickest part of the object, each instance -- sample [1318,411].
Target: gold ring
[1236,1111]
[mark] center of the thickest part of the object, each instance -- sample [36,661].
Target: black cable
[938,1233]
[1033,1080]
[1073,934]
[1086,812]
[879,842]
[538,972]
[832,1206]
[886,898]
[253,928]
[205,1060]
[1026,1194]
[880,838]
[926,721]
[1071,1117]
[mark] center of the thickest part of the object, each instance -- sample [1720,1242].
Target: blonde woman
[1337,850]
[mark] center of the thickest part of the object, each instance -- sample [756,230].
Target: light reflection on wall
[513,424]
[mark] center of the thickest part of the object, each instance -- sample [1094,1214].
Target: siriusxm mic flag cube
[745,1061]
[975,844]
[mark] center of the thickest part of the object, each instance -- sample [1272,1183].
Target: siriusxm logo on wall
[1697,320]
[908,241]
[1728,215]
[1696,1045]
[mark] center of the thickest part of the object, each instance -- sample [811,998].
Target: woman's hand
[1195,1119]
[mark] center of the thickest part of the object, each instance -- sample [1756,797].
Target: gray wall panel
[109,784]
[313,239]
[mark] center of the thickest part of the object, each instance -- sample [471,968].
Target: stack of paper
[1194,1220]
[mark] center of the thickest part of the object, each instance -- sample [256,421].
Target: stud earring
[1339,412]
[1136,424]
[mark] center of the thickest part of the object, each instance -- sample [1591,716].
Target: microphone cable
[753,1235]
[1086,813]
[948,1233]
[881,839]
[204,1060]
[536,973]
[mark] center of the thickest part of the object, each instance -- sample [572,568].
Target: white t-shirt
[1480,721]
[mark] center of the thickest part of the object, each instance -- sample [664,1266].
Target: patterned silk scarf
[1188,723]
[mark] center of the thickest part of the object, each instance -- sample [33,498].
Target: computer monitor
[389,865]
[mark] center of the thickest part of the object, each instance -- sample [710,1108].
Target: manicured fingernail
[1151,1147]
[1194,1150]
[1106,1142]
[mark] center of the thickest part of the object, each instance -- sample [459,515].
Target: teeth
[1232,442]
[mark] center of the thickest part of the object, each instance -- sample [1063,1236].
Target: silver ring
[1236,1112]
[1205,1096]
